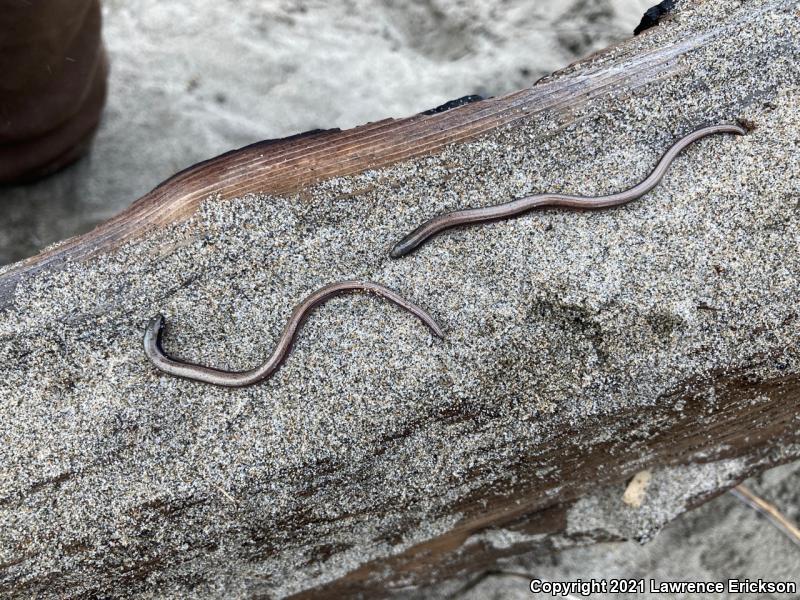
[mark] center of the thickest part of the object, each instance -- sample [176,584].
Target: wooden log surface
[580,347]
[291,164]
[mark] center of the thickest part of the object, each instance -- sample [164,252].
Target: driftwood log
[580,348]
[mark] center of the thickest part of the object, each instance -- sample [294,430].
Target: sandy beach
[192,80]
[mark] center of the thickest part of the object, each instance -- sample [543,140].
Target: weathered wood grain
[580,348]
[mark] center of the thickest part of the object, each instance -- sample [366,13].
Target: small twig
[768,510]
[226,494]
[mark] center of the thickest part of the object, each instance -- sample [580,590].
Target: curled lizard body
[154,351]
[522,205]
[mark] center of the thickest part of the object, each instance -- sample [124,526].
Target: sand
[212,107]
[191,80]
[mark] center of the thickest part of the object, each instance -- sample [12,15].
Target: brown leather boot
[53,71]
